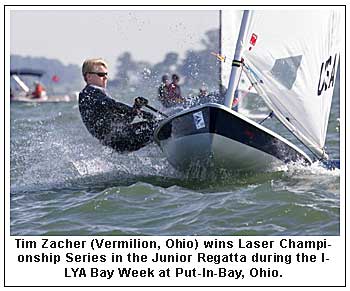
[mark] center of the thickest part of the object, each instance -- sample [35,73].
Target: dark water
[63,182]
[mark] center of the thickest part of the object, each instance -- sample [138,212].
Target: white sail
[229,30]
[21,83]
[296,55]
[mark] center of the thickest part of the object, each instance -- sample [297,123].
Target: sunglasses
[100,74]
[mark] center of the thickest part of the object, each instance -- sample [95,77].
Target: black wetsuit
[111,121]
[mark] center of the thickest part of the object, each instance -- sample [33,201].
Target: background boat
[25,92]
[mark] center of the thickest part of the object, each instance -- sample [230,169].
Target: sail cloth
[295,53]
[230,21]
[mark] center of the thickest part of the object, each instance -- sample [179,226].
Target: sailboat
[291,60]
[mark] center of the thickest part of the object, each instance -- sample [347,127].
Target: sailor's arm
[147,115]
[129,113]
[120,109]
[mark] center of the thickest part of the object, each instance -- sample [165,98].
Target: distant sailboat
[291,59]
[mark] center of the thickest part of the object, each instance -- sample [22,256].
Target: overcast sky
[71,36]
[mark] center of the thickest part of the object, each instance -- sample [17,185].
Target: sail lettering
[332,79]
[327,75]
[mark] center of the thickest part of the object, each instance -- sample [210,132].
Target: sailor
[163,91]
[39,90]
[174,92]
[108,120]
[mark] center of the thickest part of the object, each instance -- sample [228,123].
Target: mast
[236,63]
[221,53]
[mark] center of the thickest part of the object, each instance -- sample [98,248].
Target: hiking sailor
[108,120]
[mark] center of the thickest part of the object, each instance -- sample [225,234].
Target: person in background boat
[163,91]
[108,120]
[39,91]
[174,92]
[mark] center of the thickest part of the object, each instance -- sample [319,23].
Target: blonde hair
[89,65]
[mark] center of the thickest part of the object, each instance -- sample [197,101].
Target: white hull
[63,98]
[224,140]
[215,152]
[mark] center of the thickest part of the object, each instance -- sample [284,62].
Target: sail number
[327,75]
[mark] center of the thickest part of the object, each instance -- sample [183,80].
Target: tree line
[197,68]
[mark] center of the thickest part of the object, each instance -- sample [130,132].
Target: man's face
[98,76]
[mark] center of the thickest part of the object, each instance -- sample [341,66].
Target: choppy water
[63,182]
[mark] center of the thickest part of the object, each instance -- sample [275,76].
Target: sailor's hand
[139,102]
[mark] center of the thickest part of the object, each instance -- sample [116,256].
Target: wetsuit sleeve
[147,115]
[120,110]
